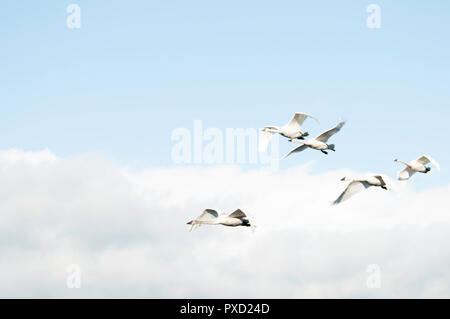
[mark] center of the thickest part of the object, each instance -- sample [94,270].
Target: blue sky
[138,69]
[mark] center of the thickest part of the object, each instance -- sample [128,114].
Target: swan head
[331,147]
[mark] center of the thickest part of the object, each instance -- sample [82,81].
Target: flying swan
[319,142]
[358,185]
[212,217]
[417,165]
[292,130]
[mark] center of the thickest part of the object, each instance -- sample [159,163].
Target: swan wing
[352,189]
[381,179]
[297,121]
[326,135]
[405,174]
[208,214]
[425,159]
[237,214]
[385,181]
[296,150]
[264,140]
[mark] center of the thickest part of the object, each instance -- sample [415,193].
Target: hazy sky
[136,70]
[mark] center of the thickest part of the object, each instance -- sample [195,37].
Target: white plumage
[212,217]
[319,142]
[292,130]
[417,165]
[358,185]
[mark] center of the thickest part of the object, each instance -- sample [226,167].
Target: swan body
[416,166]
[357,185]
[212,217]
[318,143]
[292,130]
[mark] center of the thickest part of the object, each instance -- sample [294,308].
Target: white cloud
[127,231]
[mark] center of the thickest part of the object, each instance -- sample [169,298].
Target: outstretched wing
[405,174]
[297,121]
[296,150]
[237,214]
[352,189]
[264,140]
[386,181]
[326,135]
[208,214]
[382,179]
[425,159]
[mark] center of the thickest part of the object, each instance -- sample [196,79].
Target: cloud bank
[127,232]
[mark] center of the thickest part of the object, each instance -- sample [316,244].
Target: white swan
[417,165]
[212,217]
[358,185]
[292,130]
[319,142]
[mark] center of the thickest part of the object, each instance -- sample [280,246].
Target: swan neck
[205,222]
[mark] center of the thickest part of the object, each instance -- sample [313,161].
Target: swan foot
[324,152]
